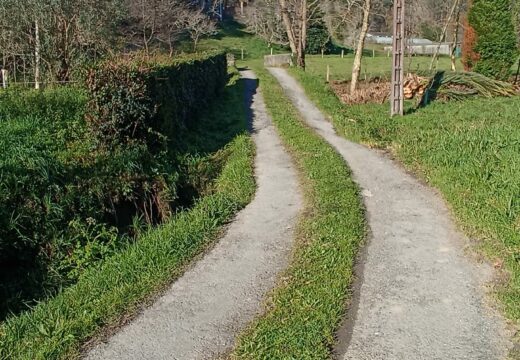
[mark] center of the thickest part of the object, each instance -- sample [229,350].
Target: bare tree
[456,31]
[290,27]
[296,16]
[143,23]
[456,5]
[263,18]
[172,20]
[199,24]
[60,34]
[342,18]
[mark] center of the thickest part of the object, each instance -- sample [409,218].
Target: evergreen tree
[318,39]
[496,38]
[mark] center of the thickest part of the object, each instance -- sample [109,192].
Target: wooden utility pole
[397,95]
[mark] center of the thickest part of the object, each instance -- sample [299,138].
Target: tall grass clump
[85,169]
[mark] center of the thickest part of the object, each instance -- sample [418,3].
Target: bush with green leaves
[496,38]
[68,198]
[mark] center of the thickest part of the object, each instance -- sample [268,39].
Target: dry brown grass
[374,91]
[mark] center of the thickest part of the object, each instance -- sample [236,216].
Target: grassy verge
[104,293]
[303,313]
[469,150]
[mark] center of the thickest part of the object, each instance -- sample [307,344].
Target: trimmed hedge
[143,100]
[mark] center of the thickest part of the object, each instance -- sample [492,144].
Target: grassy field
[234,38]
[468,150]
[305,310]
[341,69]
[104,293]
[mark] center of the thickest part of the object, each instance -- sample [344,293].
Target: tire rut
[203,311]
[420,296]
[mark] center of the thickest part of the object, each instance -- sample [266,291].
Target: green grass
[304,311]
[234,38]
[57,327]
[469,150]
[341,69]
[58,189]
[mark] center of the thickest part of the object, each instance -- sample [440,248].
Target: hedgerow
[74,189]
[135,99]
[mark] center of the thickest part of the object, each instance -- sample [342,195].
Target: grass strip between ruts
[304,311]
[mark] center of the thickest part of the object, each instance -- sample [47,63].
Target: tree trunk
[242,8]
[64,27]
[303,36]
[443,34]
[37,54]
[455,39]
[288,26]
[356,68]
[170,47]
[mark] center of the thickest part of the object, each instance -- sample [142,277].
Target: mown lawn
[304,311]
[468,150]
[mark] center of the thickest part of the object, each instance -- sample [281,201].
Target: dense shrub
[469,56]
[74,191]
[141,100]
[496,38]
[33,136]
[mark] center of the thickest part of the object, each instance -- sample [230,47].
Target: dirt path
[419,296]
[202,312]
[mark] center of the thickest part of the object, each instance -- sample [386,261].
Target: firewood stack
[414,85]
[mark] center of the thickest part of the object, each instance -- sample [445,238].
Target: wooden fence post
[4,78]
[342,53]
[328,73]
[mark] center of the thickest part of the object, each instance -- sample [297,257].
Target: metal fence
[19,70]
